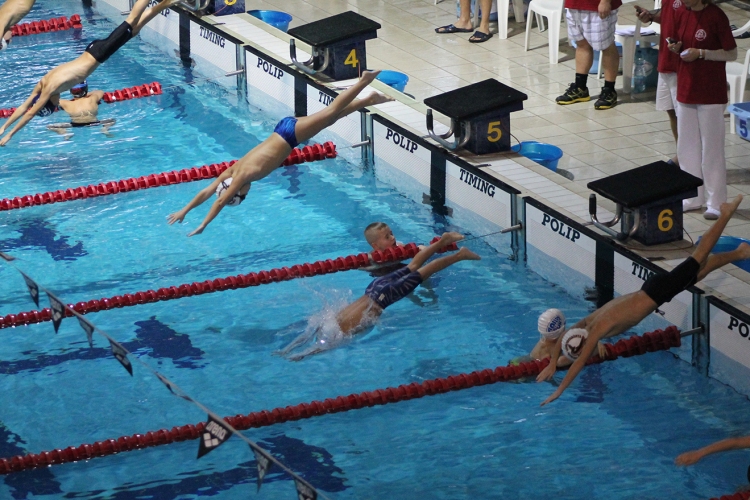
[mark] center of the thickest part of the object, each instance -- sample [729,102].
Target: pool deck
[595,143]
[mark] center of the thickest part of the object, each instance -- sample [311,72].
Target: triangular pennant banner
[168,385]
[88,328]
[58,310]
[121,355]
[263,465]
[7,257]
[33,289]
[305,492]
[214,434]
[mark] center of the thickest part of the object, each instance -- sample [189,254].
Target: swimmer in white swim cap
[621,314]
[235,200]
[551,325]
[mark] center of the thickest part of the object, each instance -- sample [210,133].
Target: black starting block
[338,44]
[480,116]
[649,202]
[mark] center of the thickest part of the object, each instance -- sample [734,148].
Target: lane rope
[305,270]
[46,26]
[633,346]
[314,152]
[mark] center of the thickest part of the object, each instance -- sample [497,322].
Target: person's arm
[588,349]
[20,113]
[96,95]
[691,457]
[238,181]
[203,195]
[646,16]
[551,368]
[605,8]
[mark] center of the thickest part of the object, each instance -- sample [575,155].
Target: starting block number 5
[665,221]
[494,133]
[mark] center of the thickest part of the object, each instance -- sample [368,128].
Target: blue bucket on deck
[394,79]
[546,155]
[727,244]
[277,19]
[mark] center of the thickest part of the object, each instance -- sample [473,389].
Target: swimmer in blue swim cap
[621,314]
[391,288]
[83,110]
[46,93]
[11,13]
[271,153]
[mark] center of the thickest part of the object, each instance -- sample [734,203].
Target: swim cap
[573,342]
[3,43]
[551,323]
[81,89]
[223,186]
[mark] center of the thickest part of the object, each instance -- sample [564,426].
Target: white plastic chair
[736,78]
[502,20]
[744,29]
[552,10]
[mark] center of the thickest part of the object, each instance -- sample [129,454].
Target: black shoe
[574,94]
[607,99]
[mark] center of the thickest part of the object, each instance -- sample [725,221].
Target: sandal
[479,37]
[451,29]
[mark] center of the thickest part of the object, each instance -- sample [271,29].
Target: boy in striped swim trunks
[591,25]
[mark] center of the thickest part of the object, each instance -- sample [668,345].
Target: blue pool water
[613,435]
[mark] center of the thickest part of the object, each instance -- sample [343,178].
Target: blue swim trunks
[393,287]
[285,128]
[48,108]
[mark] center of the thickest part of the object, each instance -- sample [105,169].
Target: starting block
[338,44]
[649,202]
[480,116]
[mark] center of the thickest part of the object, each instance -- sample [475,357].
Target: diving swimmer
[388,289]
[233,184]
[11,13]
[45,98]
[623,313]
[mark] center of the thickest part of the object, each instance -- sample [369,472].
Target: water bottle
[639,75]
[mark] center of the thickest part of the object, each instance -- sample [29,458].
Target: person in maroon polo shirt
[703,38]
[669,62]
[591,25]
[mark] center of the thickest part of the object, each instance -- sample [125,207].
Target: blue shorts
[48,108]
[285,128]
[393,287]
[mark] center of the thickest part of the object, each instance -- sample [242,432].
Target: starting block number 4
[351,59]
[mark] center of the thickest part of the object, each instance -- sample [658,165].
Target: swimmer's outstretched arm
[203,195]
[25,112]
[691,457]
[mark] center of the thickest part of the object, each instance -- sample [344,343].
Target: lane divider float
[55,24]
[314,152]
[634,346]
[138,91]
[305,270]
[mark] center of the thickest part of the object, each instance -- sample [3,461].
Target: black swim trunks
[393,287]
[103,49]
[662,288]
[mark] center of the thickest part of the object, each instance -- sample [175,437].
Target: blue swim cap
[81,89]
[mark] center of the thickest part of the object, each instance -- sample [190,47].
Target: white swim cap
[223,186]
[573,342]
[551,323]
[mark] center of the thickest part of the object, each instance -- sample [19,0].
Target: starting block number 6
[665,221]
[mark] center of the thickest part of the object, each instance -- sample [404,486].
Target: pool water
[613,435]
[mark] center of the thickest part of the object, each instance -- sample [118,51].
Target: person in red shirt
[591,25]
[703,38]
[669,62]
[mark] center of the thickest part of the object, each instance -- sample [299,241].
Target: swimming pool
[614,436]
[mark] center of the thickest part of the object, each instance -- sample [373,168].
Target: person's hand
[690,55]
[644,15]
[601,350]
[675,47]
[198,230]
[553,397]
[688,458]
[605,9]
[176,217]
[4,140]
[547,373]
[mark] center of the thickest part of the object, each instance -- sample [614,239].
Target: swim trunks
[47,109]
[662,288]
[285,128]
[393,287]
[103,49]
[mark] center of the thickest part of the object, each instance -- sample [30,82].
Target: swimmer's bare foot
[450,237]
[378,98]
[369,75]
[727,209]
[466,254]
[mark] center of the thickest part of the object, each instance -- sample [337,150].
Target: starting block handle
[606,226]
[307,66]
[441,138]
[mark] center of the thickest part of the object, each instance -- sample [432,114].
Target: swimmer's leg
[711,236]
[344,104]
[141,13]
[305,353]
[428,251]
[443,262]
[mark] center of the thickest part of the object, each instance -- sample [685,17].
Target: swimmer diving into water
[386,290]
[233,184]
[45,98]
[623,313]
[11,13]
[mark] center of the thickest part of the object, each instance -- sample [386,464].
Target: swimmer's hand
[198,230]
[547,373]
[553,397]
[688,458]
[601,350]
[176,217]
[4,140]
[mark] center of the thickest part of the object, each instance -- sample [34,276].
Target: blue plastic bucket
[727,244]
[544,154]
[277,19]
[394,79]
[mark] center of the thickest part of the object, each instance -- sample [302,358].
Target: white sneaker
[711,214]
[687,207]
